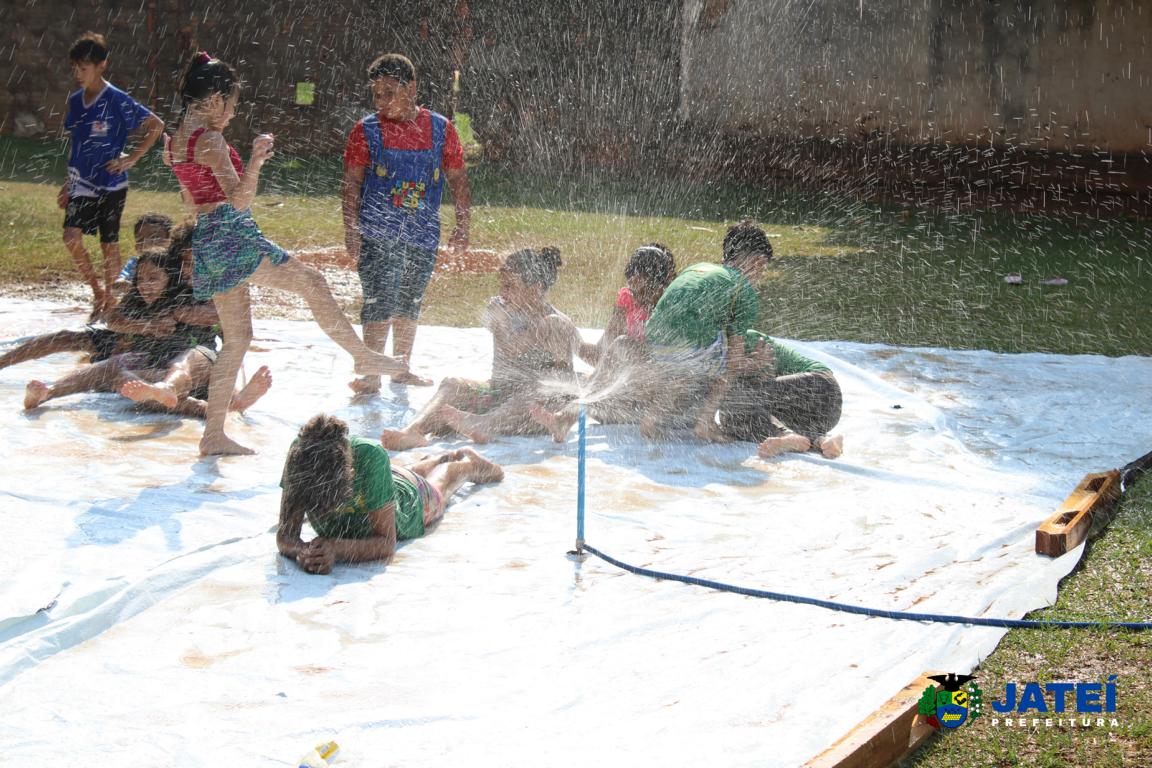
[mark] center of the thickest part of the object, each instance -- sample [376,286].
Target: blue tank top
[400,198]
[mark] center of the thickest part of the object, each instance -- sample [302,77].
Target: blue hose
[936,618]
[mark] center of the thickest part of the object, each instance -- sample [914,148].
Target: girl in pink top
[648,272]
[619,354]
[229,251]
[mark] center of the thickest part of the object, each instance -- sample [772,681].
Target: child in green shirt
[358,503]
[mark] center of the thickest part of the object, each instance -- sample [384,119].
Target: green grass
[845,269]
[1114,580]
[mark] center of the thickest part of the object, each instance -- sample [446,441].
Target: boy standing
[395,166]
[99,120]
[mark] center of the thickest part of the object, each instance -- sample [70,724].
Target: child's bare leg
[74,242]
[403,339]
[472,426]
[191,407]
[111,272]
[242,399]
[255,389]
[375,338]
[105,376]
[447,477]
[47,344]
[557,423]
[174,387]
[428,421]
[310,285]
[787,442]
[234,310]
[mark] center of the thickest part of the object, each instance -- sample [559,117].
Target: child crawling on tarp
[358,503]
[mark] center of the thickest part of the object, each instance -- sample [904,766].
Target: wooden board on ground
[884,737]
[1091,502]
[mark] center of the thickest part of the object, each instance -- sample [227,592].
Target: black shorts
[97,214]
[105,343]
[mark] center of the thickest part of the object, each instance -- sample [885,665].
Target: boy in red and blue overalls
[396,163]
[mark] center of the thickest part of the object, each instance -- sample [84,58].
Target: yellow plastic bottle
[321,756]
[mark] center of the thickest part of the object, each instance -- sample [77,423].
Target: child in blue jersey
[358,503]
[100,119]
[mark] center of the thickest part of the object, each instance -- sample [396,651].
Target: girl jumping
[229,250]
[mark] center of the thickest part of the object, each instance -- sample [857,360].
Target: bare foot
[400,440]
[143,392]
[483,470]
[556,425]
[255,389]
[831,447]
[411,380]
[376,364]
[464,423]
[365,385]
[35,393]
[222,445]
[774,446]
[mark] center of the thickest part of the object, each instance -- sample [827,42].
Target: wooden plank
[886,736]
[1091,502]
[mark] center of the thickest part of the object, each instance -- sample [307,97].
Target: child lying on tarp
[170,349]
[533,344]
[358,503]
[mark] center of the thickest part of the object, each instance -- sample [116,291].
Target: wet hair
[133,304]
[181,239]
[167,260]
[745,239]
[152,219]
[392,65]
[318,471]
[653,262]
[203,77]
[540,267]
[91,47]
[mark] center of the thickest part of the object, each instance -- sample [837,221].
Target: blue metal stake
[581,453]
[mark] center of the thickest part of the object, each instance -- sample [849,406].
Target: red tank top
[199,179]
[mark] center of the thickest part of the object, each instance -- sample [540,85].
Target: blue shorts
[394,276]
[227,247]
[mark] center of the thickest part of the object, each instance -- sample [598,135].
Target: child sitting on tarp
[694,336]
[619,355]
[170,345]
[533,344]
[788,403]
[152,230]
[358,503]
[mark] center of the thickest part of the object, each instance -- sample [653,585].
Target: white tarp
[146,619]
